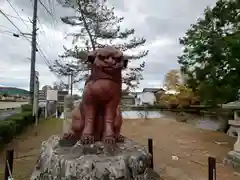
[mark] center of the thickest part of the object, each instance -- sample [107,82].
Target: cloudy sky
[160,22]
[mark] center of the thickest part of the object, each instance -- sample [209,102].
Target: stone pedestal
[235,129]
[233,157]
[128,161]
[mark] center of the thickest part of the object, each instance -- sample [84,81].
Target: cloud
[160,22]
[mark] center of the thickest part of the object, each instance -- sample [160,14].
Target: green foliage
[14,125]
[26,107]
[211,53]
[5,95]
[98,26]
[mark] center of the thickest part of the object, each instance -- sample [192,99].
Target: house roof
[152,89]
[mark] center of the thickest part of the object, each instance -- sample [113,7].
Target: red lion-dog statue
[99,117]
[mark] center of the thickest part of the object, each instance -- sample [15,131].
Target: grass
[27,148]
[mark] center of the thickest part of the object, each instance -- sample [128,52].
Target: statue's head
[109,59]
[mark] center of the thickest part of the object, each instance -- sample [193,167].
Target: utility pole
[71,81]
[70,73]
[33,53]
[36,93]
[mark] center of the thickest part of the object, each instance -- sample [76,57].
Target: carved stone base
[129,161]
[233,159]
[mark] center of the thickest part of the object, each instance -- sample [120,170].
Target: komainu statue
[99,117]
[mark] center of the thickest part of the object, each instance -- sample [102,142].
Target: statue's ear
[125,61]
[91,56]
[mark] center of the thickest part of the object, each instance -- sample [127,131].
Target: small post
[211,168]
[8,164]
[150,150]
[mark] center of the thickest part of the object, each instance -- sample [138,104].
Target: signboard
[36,73]
[52,95]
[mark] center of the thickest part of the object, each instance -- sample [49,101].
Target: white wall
[145,97]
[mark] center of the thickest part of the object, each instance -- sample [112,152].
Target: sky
[161,22]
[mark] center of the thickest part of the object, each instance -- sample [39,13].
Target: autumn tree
[184,96]
[98,26]
[211,53]
[172,79]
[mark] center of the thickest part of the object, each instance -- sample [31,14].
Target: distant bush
[26,107]
[15,124]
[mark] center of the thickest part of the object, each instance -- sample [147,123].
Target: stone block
[234,123]
[233,160]
[128,161]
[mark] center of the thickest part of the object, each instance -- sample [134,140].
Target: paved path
[6,113]
[5,105]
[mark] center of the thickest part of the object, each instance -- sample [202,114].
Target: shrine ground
[192,146]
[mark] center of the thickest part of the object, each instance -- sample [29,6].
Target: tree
[5,95]
[46,87]
[211,53]
[60,86]
[172,79]
[99,26]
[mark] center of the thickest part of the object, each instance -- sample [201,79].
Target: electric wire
[14,25]
[39,48]
[41,53]
[45,8]
[18,15]
[9,15]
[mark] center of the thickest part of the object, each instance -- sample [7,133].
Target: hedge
[26,107]
[15,124]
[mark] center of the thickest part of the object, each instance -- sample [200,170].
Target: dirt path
[192,146]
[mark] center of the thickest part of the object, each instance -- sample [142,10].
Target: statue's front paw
[87,139]
[69,136]
[109,140]
[120,138]
[68,140]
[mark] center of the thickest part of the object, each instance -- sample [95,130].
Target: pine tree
[98,26]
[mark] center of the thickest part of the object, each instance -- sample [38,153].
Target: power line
[17,17]
[23,33]
[40,24]
[8,33]
[6,27]
[14,25]
[45,8]
[18,14]
[46,60]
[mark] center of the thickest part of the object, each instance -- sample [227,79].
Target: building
[43,95]
[127,99]
[147,96]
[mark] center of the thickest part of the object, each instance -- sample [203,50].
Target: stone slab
[233,131]
[234,122]
[128,161]
[233,159]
